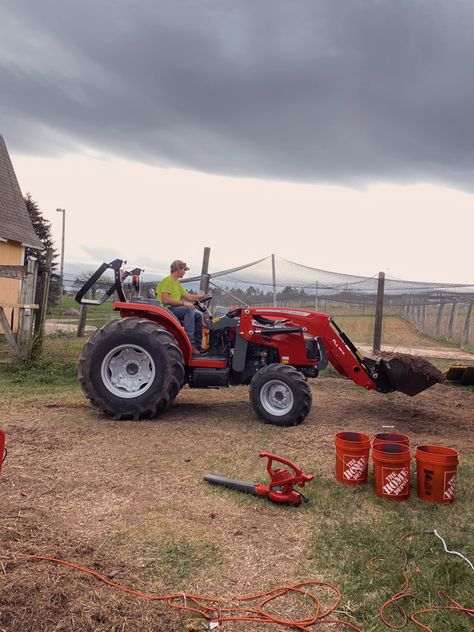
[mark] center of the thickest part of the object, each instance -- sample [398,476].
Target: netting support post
[452,321]
[423,318]
[204,284]
[379,313]
[439,320]
[274,282]
[411,310]
[466,332]
[418,314]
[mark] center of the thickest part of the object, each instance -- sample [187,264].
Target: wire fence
[442,311]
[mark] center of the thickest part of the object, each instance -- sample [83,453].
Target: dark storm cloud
[347,91]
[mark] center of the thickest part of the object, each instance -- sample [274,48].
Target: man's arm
[193,297]
[167,300]
[173,302]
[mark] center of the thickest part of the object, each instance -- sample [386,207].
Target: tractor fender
[162,317]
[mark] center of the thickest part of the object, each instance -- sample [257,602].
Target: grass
[172,559]
[176,559]
[55,366]
[357,542]
[346,534]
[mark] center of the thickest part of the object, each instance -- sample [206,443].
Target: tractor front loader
[134,366]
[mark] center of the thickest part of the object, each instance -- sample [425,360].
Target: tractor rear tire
[280,395]
[131,368]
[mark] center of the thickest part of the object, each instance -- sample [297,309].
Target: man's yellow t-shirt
[171,286]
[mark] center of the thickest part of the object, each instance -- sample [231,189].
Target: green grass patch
[97,315]
[357,541]
[175,559]
[55,367]
[172,560]
[44,371]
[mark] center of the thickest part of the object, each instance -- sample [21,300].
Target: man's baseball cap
[178,264]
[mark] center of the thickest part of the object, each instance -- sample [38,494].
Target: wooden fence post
[43,300]
[452,321]
[439,320]
[81,326]
[423,318]
[416,314]
[204,284]
[411,310]
[379,313]
[466,332]
[28,289]
[274,281]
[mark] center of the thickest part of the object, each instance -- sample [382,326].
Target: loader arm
[341,352]
[384,373]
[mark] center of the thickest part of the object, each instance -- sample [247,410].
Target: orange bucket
[436,473]
[352,457]
[392,470]
[3,452]
[390,437]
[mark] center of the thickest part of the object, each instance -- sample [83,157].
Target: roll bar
[119,276]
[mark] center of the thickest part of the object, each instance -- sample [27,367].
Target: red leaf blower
[278,490]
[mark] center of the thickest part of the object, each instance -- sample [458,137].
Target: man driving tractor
[174,297]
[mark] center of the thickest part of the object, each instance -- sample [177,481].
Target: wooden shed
[16,233]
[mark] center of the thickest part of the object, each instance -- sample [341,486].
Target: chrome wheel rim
[276,398]
[128,371]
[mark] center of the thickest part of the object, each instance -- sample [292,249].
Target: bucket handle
[387,430]
[5,452]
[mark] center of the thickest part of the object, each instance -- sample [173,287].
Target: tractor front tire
[280,395]
[131,368]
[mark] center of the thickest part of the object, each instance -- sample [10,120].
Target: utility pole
[61,273]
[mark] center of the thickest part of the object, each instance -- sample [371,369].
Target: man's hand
[188,304]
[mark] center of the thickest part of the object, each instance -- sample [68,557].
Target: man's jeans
[192,322]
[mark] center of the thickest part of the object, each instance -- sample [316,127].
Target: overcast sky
[335,133]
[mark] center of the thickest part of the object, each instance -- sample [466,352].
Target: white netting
[260,279]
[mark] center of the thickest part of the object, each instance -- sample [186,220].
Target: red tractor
[134,366]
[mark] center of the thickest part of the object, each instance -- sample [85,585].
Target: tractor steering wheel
[202,304]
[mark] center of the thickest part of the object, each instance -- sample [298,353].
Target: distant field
[357,322]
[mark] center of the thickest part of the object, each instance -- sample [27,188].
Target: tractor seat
[148,301]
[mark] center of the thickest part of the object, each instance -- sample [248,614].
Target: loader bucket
[405,373]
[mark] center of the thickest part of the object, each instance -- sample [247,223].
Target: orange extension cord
[212,608]
[404,594]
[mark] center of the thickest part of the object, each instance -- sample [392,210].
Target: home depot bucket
[391,470]
[2,448]
[390,437]
[352,457]
[436,473]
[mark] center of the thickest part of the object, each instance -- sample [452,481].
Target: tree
[101,285]
[42,229]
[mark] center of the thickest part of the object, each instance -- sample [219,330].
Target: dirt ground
[83,488]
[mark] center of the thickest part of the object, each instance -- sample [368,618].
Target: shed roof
[15,222]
